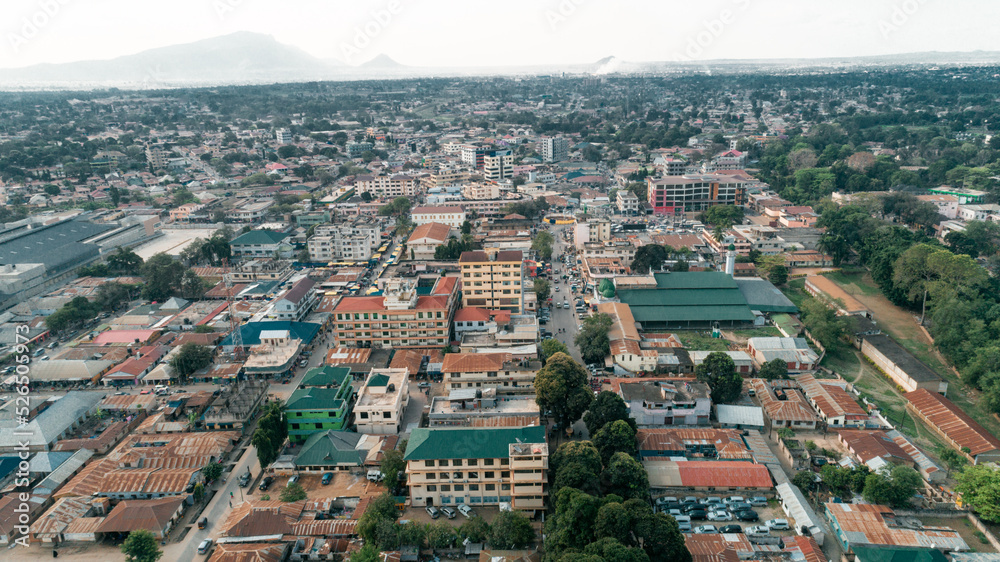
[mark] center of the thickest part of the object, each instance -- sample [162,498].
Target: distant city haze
[451,33]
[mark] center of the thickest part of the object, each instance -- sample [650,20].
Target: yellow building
[492,280]
[478,466]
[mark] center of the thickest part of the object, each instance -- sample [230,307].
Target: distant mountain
[238,58]
[382,61]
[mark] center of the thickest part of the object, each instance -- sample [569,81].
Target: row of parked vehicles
[716,509]
[449,512]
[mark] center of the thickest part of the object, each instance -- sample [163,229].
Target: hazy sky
[509,32]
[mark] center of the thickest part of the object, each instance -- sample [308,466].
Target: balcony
[530,478]
[528,490]
[529,464]
[527,503]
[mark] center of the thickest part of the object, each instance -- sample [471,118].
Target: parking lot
[772,510]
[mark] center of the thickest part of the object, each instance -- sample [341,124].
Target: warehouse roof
[761,295]
[913,367]
[707,474]
[259,237]
[865,524]
[56,245]
[949,419]
[469,443]
[250,331]
[695,280]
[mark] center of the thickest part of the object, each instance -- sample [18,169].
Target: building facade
[382,401]
[492,280]
[673,195]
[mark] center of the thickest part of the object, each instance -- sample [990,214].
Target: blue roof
[250,331]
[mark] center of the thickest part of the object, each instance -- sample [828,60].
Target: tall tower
[731,260]
[239,352]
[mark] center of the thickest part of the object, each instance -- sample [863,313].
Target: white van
[374,475]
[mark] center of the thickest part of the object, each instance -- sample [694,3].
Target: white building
[481,190]
[284,136]
[498,166]
[452,216]
[627,202]
[354,242]
[387,186]
[298,301]
[553,149]
[382,401]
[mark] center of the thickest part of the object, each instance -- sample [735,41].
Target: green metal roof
[722,313]
[330,448]
[326,376]
[762,295]
[694,280]
[897,554]
[378,380]
[315,399]
[469,442]
[681,297]
[262,237]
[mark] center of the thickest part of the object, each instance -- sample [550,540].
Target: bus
[383,248]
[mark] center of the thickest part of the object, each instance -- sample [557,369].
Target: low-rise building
[478,466]
[793,351]
[657,402]
[425,239]
[708,476]
[784,407]
[833,403]
[628,203]
[489,370]
[382,401]
[954,425]
[312,410]
[340,450]
[295,303]
[900,365]
[452,216]
[879,526]
[877,449]
[481,407]
[742,360]
[693,443]
[261,244]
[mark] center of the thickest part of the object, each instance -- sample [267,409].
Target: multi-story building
[157,157]
[478,467]
[298,301]
[492,280]
[628,203]
[352,241]
[451,215]
[261,244]
[498,165]
[381,401]
[661,402]
[356,149]
[284,136]
[474,154]
[314,409]
[387,186]
[481,190]
[398,318]
[425,239]
[249,211]
[672,195]
[553,149]
[965,196]
[444,178]
[489,370]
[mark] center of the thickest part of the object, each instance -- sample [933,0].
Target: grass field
[762,332]
[702,341]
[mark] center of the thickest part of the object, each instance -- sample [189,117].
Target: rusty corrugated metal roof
[948,418]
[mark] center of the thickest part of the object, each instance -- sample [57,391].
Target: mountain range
[254,58]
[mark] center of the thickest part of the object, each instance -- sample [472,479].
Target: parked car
[205,546]
[466,511]
[720,516]
[690,499]
[713,500]
[664,499]
[777,524]
[746,515]
[697,514]
[758,501]
[731,529]
[424,385]
[265,483]
[293,480]
[693,506]
[684,527]
[705,529]
[448,512]
[738,507]
[758,530]
[432,511]
[734,499]
[244,480]
[327,478]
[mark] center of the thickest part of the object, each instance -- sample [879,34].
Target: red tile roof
[430,231]
[734,474]
[474,362]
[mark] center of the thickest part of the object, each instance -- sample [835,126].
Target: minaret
[731,260]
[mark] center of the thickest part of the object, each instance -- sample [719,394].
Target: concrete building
[877,525]
[425,239]
[628,203]
[673,195]
[553,149]
[954,425]
[382,401]
[793,351]
[481,190]
[489,370]
[478,467]
[386,186]
[249,211]
[261,244]
[900,365]
[498,165]
[784,407]
[947,205]
[313,410]
[482,407]
[452,216]
[355,241]
[398,318]
[492,280]
[832,402]
[658,402]
[284,136]
[295,303]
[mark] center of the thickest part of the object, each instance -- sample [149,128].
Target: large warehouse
[689,300]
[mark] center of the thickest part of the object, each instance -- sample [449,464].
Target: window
[488,462]
[445,487]
[473,475]
[364,415]
[490,475]
[459,487]
[432,488]
[491,487]
[473,487]
[428,463]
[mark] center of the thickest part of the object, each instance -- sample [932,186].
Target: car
[738,507]
[693,506]
[777,524]
[731,529]
[705,529]
[746,515]
[205,546]
[203,522]
[448,512]
[697,514]
[244,480]
[432,511]
[466,511]
[684,527]
[713,500]
[265,483]
[293,480]
[144,391]
[758,501]
[720,516]
[424,385]
[304,363]
[690,499]
[673,512]
[327,478]
[734,499]
[757,530]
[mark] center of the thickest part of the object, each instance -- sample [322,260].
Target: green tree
[398,207]
[593,340]
[391,465]
[774,369]
[511,530]
[140,546]
[192,287]
[804,479]
[778,274]
[212,471]
[111,295]
[606,408]
[199,492]
[561,387]
[367,553]
[551,346]
[624,476]
[893,488]
[542,289]
[466,228]
[272,429]
[952,459]
[476,529]
[718,371]
[441,535]
[824,323]
[372,524]
[608,549]
[661,538]
[913,270]
[582,452]
[650,257]
[979,486]
[542,243]
[575,474]
[572,521]
[615,437]
[293,493]
[124,261]
[190,359]
[726,215]
[161,276]
[616,522]
[836,478]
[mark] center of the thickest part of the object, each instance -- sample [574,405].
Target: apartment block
[356,241]
[498,165]
[398,318]
[492,280]
[672,195]
[489,370]
[481,190]
[627,203]
[452,216]
[387,186]
[553,149]
[382,401]
[478,467]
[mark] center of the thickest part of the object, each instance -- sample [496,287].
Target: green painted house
[312,410]
[326,377]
